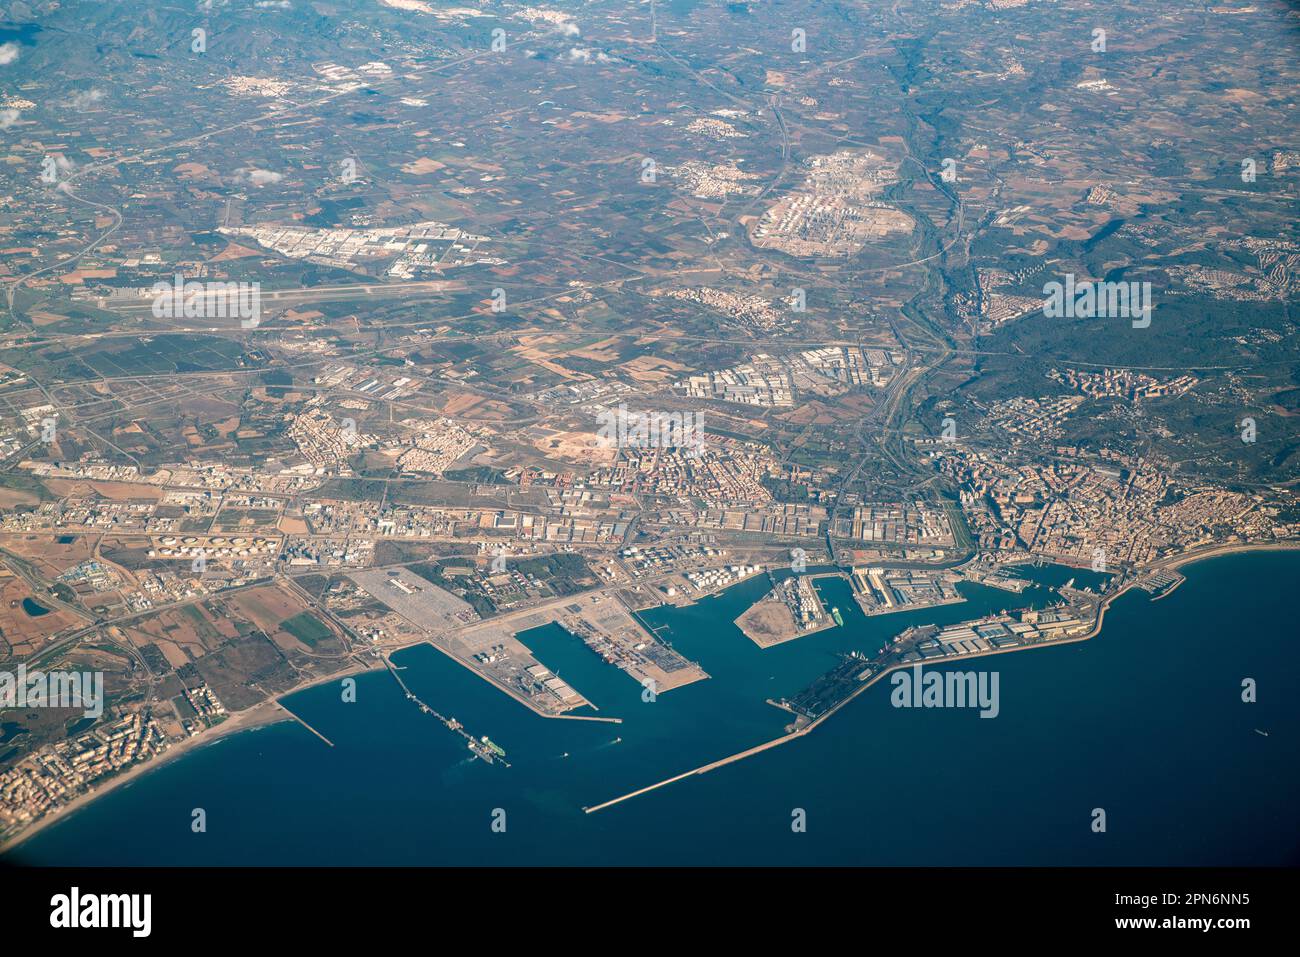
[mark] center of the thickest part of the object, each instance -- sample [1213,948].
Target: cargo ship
[839,620]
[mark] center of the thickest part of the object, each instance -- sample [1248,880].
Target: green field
[307,628]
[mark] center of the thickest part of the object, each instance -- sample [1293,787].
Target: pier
[481,748]
[304,724]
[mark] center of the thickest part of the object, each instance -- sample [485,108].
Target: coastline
[261,715]
[1178,561]
[271,711]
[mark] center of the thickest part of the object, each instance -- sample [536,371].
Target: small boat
[1264,733]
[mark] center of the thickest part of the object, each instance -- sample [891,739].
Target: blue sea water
[1145,721]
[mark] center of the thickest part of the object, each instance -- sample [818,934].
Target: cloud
[8,118]
[585,55]
[62,164]
[274,5]
[8,53]
[85,99]
[263,177]
[570,29]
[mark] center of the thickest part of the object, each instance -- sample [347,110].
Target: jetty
[482,747]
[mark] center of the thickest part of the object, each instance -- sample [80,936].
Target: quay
[867,673]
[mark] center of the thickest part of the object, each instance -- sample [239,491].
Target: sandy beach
[259,716]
